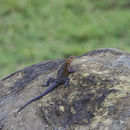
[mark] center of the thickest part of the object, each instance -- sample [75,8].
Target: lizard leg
[70,71]
[67,80]
[50,80]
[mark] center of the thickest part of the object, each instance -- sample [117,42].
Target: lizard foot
[50,80]
[67,82]
[72,71]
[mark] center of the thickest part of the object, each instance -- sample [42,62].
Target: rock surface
[98,97]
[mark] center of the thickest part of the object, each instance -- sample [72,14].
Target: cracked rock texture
[98,97]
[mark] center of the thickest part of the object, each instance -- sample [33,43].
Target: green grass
[32,31]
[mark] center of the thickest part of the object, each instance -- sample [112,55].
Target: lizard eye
[71,57]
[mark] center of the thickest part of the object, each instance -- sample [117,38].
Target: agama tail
[40,96]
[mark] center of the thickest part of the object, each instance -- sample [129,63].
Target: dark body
[61,78]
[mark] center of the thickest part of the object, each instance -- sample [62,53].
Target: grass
[34,31]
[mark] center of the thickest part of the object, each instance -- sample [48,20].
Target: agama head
[70,59]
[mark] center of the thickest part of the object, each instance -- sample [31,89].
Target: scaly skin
[62,78]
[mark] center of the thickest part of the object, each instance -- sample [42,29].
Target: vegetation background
[32,31]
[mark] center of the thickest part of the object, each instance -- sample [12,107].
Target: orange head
[70,59]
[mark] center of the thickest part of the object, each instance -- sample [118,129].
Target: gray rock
[98,97]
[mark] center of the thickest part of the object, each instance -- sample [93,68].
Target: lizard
[61,78]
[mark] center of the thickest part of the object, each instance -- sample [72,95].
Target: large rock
[98,97]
